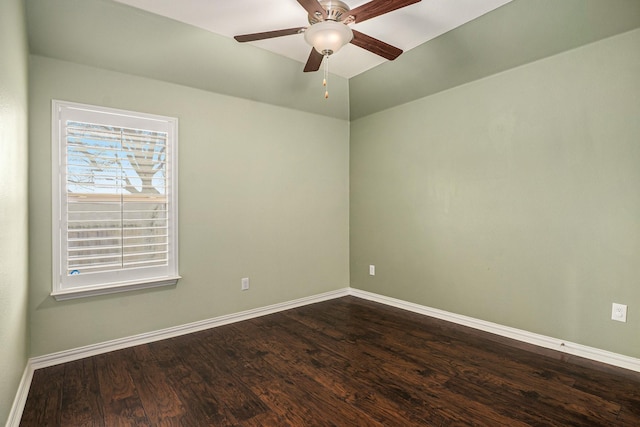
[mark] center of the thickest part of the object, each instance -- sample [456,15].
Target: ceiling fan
[329,28]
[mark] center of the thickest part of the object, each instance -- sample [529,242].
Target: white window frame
[67,286]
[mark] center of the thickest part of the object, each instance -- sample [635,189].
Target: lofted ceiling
[115,36]
[405,28]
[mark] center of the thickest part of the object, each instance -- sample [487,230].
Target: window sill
[90,291]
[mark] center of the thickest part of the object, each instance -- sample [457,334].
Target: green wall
[13,201]
[263,193]
[513,199]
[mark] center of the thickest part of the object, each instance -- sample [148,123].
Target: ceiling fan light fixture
[327,37]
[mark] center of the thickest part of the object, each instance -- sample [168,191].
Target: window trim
[58,147]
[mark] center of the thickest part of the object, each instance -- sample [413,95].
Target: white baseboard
[564,346]
[94,349]
[574,349]
[118,344]
[15,415]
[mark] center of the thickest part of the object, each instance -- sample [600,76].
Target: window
[114,200]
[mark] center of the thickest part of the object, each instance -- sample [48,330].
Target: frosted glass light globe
[327,37]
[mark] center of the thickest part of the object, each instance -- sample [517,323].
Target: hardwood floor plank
[386,388]
[291,373]
[198,397]
[234,401]
[45,394]
[241,402]
[516,378]
[581,406]
[343,362]
[122,405]
[253,362]
[160,401]
[81,403]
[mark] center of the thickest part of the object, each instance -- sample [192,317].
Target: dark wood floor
[345,362]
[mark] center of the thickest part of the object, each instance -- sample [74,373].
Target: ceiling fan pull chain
[325,81]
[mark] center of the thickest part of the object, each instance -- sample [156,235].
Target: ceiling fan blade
[314,61]
[268,34]
[313,8]
[376,46]
[378,7]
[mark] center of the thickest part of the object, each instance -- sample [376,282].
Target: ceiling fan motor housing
[336,11]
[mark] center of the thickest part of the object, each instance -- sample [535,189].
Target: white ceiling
[404,28]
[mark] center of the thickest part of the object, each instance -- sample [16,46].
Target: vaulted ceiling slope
[515,34]
[411,25]
[113,36]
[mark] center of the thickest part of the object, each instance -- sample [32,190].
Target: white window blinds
[117,208]
[116,198]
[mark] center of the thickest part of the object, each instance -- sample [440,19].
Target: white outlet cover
[619,312]
[244,284]
[372,270]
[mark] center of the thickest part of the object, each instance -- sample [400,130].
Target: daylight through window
[116,200]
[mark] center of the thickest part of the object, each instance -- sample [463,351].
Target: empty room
[302,212]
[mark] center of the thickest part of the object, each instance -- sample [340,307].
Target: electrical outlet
[244,284]
[372,270]
[619,312]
